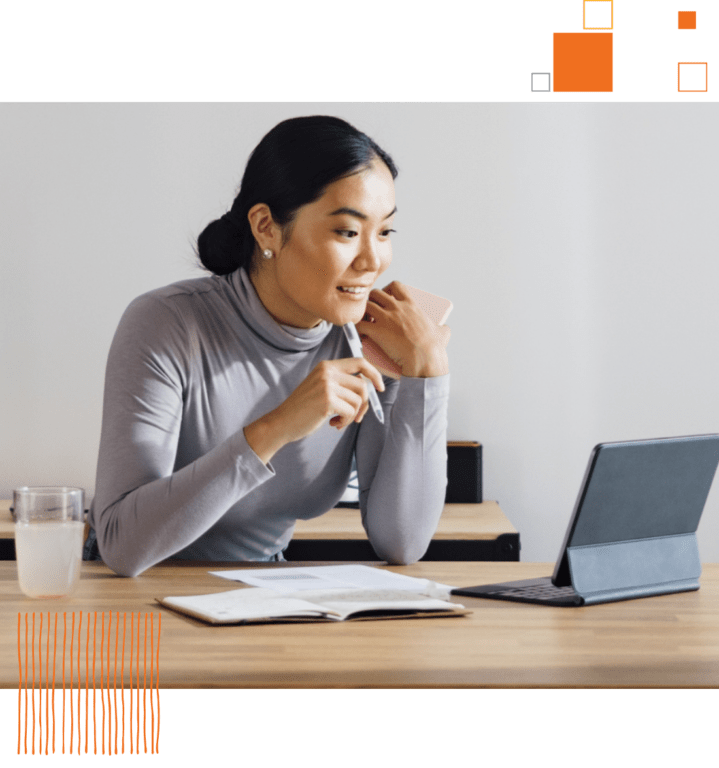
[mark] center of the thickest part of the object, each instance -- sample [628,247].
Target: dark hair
[292,166]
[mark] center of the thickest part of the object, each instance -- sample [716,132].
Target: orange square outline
[584,18]
[706,67]
[696,20]
[686,13]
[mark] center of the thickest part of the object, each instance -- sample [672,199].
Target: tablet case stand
[624,570]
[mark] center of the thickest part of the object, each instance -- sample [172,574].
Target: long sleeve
[190,366]
[146,508]
[402,468]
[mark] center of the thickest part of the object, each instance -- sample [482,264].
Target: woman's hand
[405,333]
[331,389]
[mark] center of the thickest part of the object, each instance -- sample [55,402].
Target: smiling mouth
[353,291]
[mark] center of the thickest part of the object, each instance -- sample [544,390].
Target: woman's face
[338,246]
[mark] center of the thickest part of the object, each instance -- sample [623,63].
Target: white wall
[577,241]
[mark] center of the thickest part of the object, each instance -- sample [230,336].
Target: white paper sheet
[332,577]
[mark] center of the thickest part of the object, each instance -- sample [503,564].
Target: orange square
[687,19]
[583,61]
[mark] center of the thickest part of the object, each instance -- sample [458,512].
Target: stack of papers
[331,577]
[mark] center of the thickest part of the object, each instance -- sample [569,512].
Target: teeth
[352,289]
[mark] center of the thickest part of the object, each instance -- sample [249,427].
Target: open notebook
[254,605]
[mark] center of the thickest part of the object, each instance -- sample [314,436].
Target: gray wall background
[578,243]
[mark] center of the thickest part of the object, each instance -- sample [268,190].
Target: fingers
[354,365]
[355,390]
[332,390]
[365,328]
[444,332]
[349,401]
[346,391]
[362,411]
[381,299]
[373,331]
[397,289]
[388,296]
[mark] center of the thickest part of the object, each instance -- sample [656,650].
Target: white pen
[356,346]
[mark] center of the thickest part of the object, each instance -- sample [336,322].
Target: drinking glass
[49,531]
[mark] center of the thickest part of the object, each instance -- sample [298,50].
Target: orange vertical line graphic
[47,665]
[102,693]
[40,686]
[19,688]
[144,688]
[39,691]
[44,750]
[79,687]
[26,665]
[79,682]
[113,697]
[132,646]
[152,707]
[94,696]
[87,682]
[157,682]
[72,698]
[45,687]
[64,643]
[54,660]
[47,671]
[39,655]
[137,678]
[110,714]
[114,681]
[109,705]
[108,676]
[33,682]
[122,680]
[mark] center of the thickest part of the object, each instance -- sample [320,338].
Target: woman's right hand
[331,389]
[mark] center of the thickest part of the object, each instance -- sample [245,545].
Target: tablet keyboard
[537,592]
[540,591]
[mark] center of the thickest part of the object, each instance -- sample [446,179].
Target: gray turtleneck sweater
[190,366]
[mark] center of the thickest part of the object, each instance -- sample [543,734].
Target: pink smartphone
[435,307]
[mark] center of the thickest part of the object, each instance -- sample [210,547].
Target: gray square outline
[549,82]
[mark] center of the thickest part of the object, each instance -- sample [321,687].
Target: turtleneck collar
[283,337]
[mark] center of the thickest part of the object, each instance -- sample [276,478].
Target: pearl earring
[267,253]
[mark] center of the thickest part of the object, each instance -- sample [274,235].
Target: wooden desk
[671,640]
[465,532]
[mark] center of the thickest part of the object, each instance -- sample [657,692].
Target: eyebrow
[358,214]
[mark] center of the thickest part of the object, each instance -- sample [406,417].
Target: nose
[369,259]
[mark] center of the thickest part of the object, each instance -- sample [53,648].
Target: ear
[266,232]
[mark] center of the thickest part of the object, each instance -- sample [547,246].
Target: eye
[349,233]
[386,232]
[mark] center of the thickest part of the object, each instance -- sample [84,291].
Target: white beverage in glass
[49,533]
[48,557]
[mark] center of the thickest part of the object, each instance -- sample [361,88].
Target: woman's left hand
[395,322]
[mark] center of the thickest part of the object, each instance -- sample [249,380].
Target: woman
[232,403]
